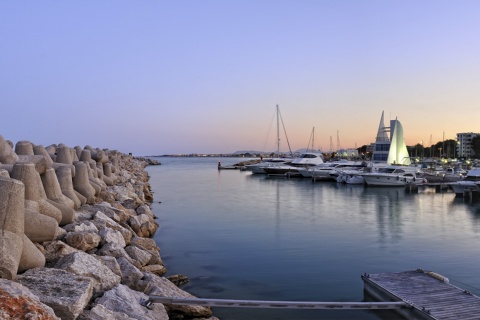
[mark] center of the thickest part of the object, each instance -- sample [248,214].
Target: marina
[245,236]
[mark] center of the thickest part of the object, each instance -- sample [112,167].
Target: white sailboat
[259,168]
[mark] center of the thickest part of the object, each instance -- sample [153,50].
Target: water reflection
[243,236]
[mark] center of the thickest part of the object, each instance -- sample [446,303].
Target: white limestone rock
[54,250]
[84,264]
[108,235]
[66,293]
[123,299]
[81,226]
[111,263]
[160,286]
[99,312]
[83,240]
[131,275]
[141,256]
[18,302]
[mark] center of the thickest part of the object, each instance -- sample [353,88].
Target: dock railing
[278,304]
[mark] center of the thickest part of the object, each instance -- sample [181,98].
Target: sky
[170,77]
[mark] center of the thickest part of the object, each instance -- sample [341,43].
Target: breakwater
[76,237]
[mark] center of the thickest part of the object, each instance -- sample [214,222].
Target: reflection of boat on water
[470,183]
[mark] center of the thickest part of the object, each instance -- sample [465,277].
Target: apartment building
[464,144]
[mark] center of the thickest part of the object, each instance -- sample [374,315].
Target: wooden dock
[430,295]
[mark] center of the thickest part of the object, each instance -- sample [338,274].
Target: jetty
[429,294]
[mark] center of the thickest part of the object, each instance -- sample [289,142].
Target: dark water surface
[243,236]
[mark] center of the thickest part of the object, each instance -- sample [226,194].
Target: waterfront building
[464,144]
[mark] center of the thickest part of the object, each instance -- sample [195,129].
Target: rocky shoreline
[76,237]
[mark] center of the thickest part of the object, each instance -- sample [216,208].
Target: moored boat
[470,183]
[394,176]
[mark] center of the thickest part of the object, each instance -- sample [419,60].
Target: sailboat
[306,159]
[259,168]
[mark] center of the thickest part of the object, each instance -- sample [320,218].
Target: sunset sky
[164,77]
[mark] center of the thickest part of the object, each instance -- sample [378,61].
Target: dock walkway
[430,295]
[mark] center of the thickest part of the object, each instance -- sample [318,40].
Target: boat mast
[278,134]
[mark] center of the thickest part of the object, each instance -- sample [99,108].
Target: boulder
[55,250]
[99,312]
[109,235]
[160,286]
[143,225]
[156,269]
[84,264]
[66,293]
[18,302]
[111,263]
[138,255]
[125,300]
[83,240]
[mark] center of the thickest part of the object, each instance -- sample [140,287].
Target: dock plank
[430,295]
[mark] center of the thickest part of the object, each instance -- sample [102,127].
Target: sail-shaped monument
[390,149]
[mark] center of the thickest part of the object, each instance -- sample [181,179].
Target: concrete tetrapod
[12,226]
[64,155]
[107,172]
[7,156]
[38,227]
[31,257]
[64,176]
[41,151]
[34,190]
[101,175]
[4,173]
[93,176]
[55,195]
[24,148]
[81,182]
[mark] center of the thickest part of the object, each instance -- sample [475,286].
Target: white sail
[398,153]
[382,142]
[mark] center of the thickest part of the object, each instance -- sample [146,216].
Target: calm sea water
[243,236]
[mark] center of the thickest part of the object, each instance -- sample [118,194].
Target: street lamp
[440,152]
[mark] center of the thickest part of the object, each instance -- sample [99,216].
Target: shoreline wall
[76,237]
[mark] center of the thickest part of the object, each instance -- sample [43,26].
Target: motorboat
[394,176]
[306,159]
[258,168]
[470,183]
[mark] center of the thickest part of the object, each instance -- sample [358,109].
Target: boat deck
[429,294]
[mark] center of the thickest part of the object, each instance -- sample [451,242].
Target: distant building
[347,153]
[464,144]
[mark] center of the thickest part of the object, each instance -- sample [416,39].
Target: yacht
[306,159]
[259,168]
[470,183]
[394,176]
